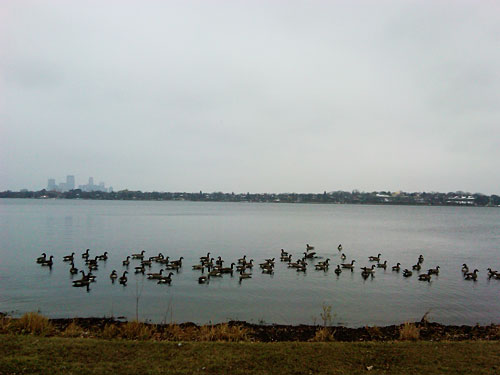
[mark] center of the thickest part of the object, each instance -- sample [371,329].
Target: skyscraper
[70,182]
[51,185]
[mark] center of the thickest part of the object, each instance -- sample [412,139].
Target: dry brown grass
[323,334]
[174,332]
[33,323]
[409,331]
[223,332]
[5,324]
[110,331]
[73,330]
[136,330]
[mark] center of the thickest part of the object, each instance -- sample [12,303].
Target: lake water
[446,236]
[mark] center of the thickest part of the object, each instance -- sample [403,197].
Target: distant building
[70,185]
[51,185]
[91,187]
[70,182]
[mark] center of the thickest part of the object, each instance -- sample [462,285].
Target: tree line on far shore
[458,198]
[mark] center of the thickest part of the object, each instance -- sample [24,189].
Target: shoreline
[427,331]
[392,204]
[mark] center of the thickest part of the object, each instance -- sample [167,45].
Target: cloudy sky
[260,96]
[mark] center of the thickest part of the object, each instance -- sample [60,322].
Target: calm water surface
[446,236]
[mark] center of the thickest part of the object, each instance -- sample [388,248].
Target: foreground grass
[28,354]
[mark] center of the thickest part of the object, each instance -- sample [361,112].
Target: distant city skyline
[70,185]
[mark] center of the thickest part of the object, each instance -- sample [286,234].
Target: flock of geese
[243,267]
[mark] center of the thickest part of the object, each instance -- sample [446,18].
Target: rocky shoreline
[429,331]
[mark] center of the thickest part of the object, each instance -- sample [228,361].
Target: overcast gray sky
[260,96]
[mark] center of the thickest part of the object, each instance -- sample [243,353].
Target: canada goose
[205,258]
[165,279]
[198,267]
[338,270]
[209,263]
[321,267]
[270,260]
[343,256]
[433,271]
[339,248]
[103,256]
[227,269]
[85,255]
[219,261]
[267,263]
[382,265]
[407,272]
[465,268]
[241,267]
[296,264]
[283,253]
[417,267]
[73,270]
[325,263]
[126,262]
[245,275]
[203,279]
[157,258]
[374,259]
[92,266]
[366,274]
[68,258]
[310,255]
[83,277]
[113,276]
[420,258]
[92,261]
[123,278]
[471,275]
[48,262]
[242,260]
[214,273]
[302,268]
[140,269]
[177,262]
[155,275]
[348,265]
[166,260]
[173,266]
[424,277]
[368,269]
[90,277]
[269,270]
[139,255]
[249,264]
[496,275]
[309,247]
[42,258]
[286,258]
[492,273]
[146,263]
[396,267]
[81,283]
